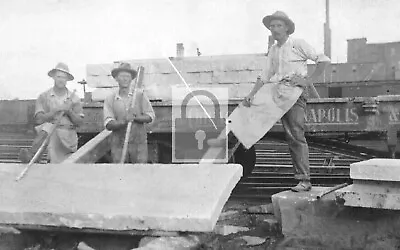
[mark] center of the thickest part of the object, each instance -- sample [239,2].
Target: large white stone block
[371,194]
[166,197]
[376,169]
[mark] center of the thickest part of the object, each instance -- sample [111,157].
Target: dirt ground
[261,233]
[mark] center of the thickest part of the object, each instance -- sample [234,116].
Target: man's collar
[52,93]
[117,96]
[288,41]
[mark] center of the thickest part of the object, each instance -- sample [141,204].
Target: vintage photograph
[199,124]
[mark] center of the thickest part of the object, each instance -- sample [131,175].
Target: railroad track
[11,144]
[273,172]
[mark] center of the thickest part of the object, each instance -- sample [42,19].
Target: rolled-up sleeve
[148,108]
[309,52]
[108,112]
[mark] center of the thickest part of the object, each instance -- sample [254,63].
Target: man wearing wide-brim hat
[49,106]
[117,115]
[287,63]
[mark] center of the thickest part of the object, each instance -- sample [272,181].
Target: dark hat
[63,68]
[279,15]
[126,67]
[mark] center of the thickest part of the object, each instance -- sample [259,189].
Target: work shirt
[116,108]
[64,140]
[289,60]
[49,101]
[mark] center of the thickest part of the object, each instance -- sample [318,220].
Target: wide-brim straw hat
[124,67]
[63,68]
[279,15]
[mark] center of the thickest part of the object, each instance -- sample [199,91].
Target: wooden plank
[93,150]
[163,197]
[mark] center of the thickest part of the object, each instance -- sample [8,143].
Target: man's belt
[66,126]
[288,81]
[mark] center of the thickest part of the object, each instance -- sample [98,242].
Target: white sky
[36,34]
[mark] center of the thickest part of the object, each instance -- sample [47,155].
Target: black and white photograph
[199,125]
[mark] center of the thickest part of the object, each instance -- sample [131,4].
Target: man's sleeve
[108,112]
[147,107]
[77,106]
[40,105]
[267,71]
[309,52]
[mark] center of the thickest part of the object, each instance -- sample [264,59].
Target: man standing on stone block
[117,114]
[287,62]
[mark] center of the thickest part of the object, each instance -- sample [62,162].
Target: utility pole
[327,32]
[83,83]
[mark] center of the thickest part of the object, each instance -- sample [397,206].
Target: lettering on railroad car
[332,115]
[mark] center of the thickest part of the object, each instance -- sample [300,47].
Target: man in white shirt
[287,62]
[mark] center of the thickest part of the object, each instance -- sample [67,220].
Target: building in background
[370,70]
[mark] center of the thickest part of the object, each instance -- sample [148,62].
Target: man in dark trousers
[287,61]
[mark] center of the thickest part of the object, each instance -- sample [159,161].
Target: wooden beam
[93,150]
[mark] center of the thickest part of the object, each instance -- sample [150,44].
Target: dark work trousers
[294,125]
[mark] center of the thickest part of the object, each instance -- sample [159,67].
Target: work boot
[25,156]
[303,186]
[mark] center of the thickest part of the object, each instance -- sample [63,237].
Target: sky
[36,35]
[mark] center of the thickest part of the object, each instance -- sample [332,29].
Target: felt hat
[279,15]
[63,68]
[125,67]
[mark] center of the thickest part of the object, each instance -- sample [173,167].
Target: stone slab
[376,169]
[124,197]
[331,225]
[271,102]
[229,229]
[208,69]
[170,243]
[371,194]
